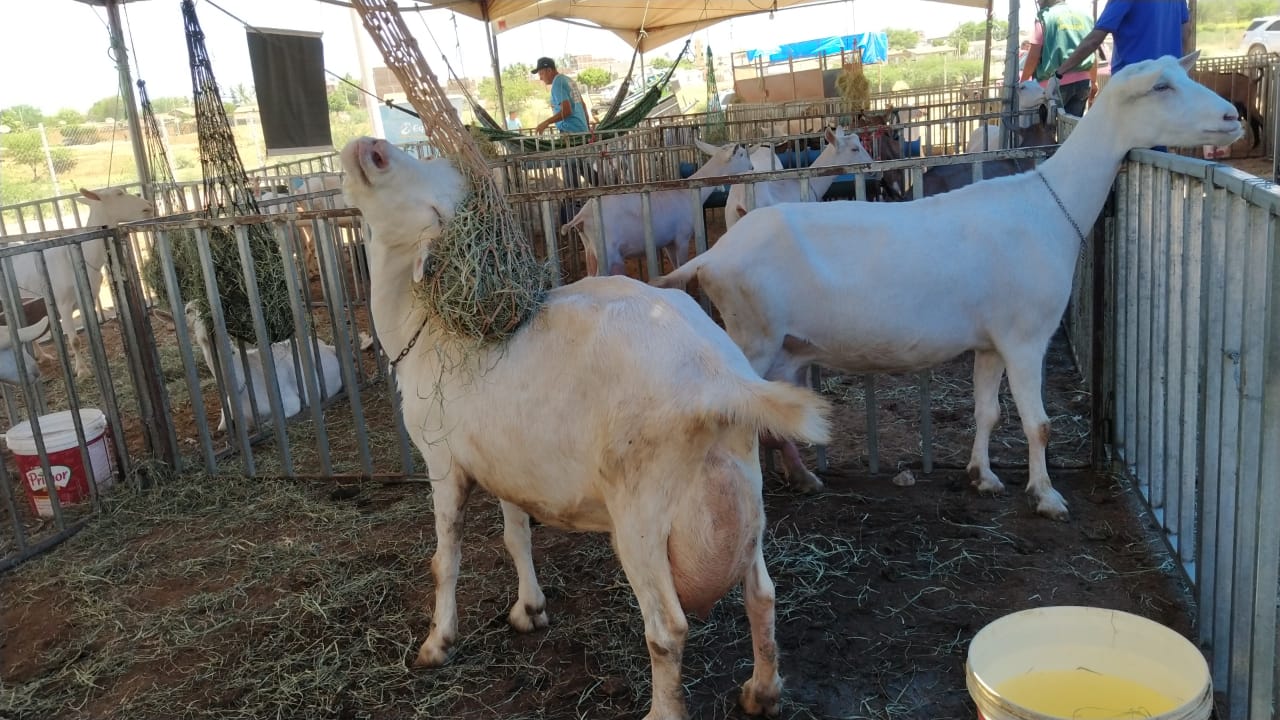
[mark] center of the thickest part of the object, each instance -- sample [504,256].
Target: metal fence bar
[177,306]
[1215,567]
[1247,444]
[266,354]
[1263,665]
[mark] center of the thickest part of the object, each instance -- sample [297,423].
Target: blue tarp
[875,48]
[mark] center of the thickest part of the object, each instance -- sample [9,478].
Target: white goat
[671,210]
[842,149]
[107,208]
[8,357]
[667,461]
[1030,131]
[306,236]
[987,268]
[249,378]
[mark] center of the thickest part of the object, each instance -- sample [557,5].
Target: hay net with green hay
[226,194]
[481,281]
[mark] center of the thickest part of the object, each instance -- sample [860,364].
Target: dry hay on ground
[250,599]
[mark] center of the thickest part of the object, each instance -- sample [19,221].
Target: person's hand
[1054,89]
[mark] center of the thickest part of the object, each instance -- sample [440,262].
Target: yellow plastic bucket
[1085,663]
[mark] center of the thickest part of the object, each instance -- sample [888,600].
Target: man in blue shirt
[570,116]
[1141,30]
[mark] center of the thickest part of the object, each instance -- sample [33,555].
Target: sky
[71,67]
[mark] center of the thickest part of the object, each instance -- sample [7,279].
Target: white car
[1262,36]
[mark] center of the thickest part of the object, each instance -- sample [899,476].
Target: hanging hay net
[852,84]
[226,192]
[482,280]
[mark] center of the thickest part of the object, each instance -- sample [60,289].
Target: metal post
[493,60]
[48,159]
[126,91]
[986,53]
[1011,74]
[372,104]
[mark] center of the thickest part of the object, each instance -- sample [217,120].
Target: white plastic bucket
[59,433]
[1129,666]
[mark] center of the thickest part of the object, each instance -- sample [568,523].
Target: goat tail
[680,277]
[786,411]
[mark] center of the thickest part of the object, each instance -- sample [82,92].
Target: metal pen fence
[1191,271]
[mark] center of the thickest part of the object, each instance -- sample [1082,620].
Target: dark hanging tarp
[288,79]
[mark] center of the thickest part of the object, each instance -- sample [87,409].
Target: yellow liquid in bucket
[1085,695]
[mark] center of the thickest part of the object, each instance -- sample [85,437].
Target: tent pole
[372,105]
[986,55]
[497,71]
[126,91]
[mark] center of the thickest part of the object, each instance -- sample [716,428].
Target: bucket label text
[61,477]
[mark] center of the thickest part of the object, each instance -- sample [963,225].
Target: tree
[595,78]
[977,30]
[664,63]
[67,116]
[519,88]
[24,148]
[240,95]
[902,38]
[21,117]
[344,95]
[107,107]
[63,160]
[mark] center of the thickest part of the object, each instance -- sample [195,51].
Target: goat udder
[711,549]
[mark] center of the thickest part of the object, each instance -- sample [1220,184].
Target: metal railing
[1191,270]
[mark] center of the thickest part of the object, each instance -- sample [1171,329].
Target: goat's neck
[705,192]
[396,313]
[1084,167]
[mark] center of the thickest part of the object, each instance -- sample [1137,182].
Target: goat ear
[34,330]
[1188,62]
[424,246]
[832,137]
[706,147]
[89,195]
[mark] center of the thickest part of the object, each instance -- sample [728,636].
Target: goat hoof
[433,654]
[761,701]
[806,483]
[524,619]
[1052,506]
[985,482]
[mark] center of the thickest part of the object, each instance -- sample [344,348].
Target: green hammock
[613,124]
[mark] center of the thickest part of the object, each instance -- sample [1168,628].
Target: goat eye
[1162,86]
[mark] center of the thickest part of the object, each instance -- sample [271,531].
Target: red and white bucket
[65,461]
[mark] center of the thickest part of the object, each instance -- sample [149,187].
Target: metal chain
[1061,206]
[412,341]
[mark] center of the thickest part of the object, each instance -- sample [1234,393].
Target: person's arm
[1188,33]
[1087,47]
[566,109]
[1033,61]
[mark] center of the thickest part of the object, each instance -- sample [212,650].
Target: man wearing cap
[570,115]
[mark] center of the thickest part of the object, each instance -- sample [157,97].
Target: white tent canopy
[642,24]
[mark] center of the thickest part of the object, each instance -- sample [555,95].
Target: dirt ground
[233,598]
